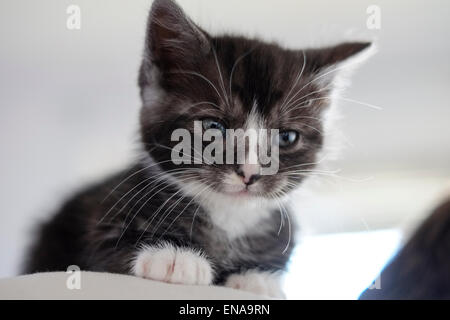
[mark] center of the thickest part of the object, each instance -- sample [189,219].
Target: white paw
[174,265]
[262,283]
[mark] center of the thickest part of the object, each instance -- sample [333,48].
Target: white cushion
[93,285]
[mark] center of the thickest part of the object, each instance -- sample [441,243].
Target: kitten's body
[203,223]
[77,237]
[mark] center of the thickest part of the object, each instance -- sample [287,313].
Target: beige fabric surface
[53,285]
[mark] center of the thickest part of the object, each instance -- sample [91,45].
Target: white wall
[69,103]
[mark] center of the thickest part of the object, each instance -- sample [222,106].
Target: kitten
[203,223]
[421,270]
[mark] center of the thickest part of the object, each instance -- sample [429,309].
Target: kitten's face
[234,83]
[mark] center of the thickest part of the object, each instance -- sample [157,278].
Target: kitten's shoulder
[58,238]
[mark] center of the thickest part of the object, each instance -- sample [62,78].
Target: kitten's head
[229,82]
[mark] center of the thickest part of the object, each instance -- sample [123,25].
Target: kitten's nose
[249,173]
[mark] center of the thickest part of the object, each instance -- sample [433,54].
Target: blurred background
[69,105]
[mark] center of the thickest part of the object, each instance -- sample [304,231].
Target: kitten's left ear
[174,40]
[348,52]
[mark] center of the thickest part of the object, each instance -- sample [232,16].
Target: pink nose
[249,173]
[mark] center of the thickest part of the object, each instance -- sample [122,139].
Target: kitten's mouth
[243,193]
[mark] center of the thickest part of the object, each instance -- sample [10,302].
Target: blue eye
[287,138]
[213,124]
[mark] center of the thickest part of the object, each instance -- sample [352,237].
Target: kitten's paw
[262,283]
[174,265]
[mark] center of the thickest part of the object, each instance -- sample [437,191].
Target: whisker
[193,219]
[286,214]
[325,74]
[312,170]
[295,83]
[132,175]
[299,101]
[118,201]
[173,221]
[149,221]
[203,102]
[166,214]
[134,196]
[328,174]
[361,103]
[372,106]
[281,214]
[312,127]
[145,202]
[192,156]
[305,117]
[220,75]
[164,176]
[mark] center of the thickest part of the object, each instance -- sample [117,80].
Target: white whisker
[295,83]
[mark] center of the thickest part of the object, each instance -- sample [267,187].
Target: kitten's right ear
[173,40]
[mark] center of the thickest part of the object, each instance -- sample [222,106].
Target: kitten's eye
[213,124]
[307,103]
[287,138]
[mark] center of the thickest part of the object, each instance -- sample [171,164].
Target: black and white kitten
[202,223]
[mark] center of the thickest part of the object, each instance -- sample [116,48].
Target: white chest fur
[237,217]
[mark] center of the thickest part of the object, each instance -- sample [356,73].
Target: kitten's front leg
[260,282]
[168,263]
